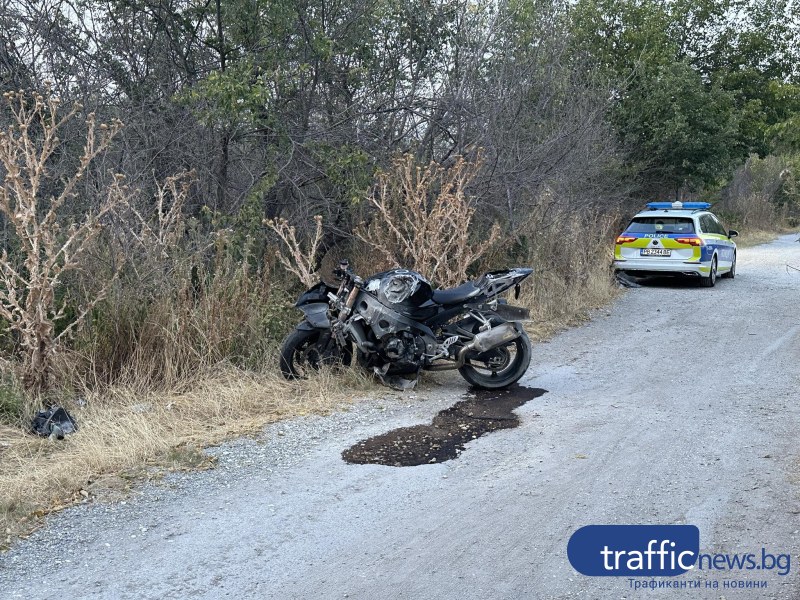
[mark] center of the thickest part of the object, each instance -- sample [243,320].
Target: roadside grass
[756,237]
[126,436]
[556,305]
[572,272]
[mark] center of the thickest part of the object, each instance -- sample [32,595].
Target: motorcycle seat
[463,292]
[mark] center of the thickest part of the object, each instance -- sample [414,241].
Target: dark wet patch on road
[445,437]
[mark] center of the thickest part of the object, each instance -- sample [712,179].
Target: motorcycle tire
[509,374]
[300,352]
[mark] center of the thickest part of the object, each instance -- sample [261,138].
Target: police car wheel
[712,275]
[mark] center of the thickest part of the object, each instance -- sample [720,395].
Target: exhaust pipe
[488,340]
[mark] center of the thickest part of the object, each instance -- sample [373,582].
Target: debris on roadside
[625,281]
[54,423]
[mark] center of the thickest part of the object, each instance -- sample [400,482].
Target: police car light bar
[678,205]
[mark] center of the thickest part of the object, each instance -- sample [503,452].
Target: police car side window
[719,226]
[710,224]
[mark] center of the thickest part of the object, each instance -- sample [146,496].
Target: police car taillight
[691,241]
[625,239]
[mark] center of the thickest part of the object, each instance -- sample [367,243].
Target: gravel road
[677,405]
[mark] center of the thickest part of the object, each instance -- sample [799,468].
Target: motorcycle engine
[404,349]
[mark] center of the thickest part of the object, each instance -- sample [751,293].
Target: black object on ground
[55,422]
[445,437]
[627,281]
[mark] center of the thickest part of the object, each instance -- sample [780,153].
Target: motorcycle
[400,326]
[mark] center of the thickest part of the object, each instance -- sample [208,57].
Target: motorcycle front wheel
[301,353]
[500,367]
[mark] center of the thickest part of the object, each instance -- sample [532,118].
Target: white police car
[674,238]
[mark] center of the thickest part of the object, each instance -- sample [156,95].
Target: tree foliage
[699,84]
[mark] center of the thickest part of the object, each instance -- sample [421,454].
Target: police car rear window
[660,225]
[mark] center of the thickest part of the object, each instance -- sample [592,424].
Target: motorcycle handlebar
[344,271]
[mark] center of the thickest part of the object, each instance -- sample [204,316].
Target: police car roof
[669,213]
[676,209]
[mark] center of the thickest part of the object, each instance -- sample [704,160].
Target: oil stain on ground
[445,437]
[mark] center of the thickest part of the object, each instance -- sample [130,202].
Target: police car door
[726,245]
[714,235]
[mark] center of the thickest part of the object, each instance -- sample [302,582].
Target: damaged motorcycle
[399,326]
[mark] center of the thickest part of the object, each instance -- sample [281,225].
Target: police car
[674,238]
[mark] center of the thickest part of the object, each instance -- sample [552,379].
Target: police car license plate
[656,252]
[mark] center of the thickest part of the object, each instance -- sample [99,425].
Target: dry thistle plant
[423,219]
[170,198]
[31,273]
[300,262]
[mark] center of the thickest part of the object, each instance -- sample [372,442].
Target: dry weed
[48,249]
[753,237]
[572,261]
[422,219]
[301,261]
[749,200]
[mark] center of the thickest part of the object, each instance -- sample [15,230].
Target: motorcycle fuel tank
[400,289]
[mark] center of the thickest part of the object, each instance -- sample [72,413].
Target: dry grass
[572,276]
[755,237]
[123,431]
[556,306]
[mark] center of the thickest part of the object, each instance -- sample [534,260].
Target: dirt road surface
[677,405]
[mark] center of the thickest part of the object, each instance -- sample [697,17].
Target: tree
[753,56]
[678,126]
[684,129]
[783,135]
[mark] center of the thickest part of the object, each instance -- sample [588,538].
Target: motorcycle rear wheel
[301,354]
[499,368]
